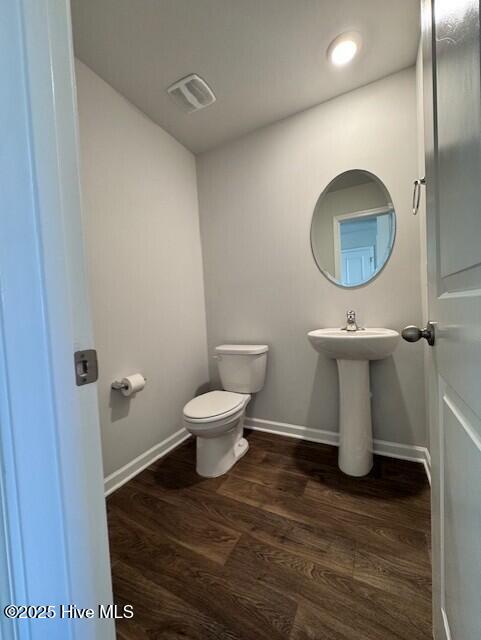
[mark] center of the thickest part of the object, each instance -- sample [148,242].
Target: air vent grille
[192,93]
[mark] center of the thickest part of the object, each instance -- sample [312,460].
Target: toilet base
[215,456]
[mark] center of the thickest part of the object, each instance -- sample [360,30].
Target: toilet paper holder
[117,385]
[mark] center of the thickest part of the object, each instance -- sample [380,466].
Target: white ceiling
[264,59]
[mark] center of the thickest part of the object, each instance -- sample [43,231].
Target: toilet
[216,418]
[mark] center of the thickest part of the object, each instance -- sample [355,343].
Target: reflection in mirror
[353,228]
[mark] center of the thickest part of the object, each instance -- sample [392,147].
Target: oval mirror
[353,228]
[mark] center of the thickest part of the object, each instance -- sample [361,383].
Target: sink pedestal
[355,424]
[353,351]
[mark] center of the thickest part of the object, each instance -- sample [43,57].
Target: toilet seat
[214,406]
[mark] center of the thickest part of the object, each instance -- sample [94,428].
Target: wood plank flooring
[283,547]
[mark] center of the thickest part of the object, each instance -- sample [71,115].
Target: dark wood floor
[282,547]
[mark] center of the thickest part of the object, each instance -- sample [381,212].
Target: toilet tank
[242,367]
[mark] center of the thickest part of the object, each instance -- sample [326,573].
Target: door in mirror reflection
[353,228]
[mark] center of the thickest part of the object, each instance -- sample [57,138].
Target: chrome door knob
[413,334]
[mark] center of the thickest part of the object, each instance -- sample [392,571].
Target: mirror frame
[325,273]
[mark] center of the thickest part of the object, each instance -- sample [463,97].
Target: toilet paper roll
[132,384]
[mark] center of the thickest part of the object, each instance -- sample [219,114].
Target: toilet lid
[214,403]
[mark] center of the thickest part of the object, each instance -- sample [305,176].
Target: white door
[357,265]
[53,540]
[451,47]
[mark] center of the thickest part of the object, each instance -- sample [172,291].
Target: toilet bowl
[216,418]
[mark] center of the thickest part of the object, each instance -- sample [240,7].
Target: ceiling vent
[192,93]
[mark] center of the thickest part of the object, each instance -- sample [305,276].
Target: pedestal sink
[353,350]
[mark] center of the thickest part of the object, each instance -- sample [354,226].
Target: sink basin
[365,344]
[353,350]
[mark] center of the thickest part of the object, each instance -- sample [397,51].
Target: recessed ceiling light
[343,49]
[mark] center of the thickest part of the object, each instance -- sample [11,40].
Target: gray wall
[256,199]
[145,263]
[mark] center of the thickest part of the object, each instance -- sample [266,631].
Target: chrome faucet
[351,324]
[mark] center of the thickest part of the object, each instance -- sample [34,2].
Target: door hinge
[86,367]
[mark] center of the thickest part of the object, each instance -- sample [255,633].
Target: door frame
[449,396]
[440,630]
[50,453]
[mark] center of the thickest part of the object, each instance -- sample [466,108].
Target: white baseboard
[447,630]
[116,479]
[412,453]
[390,449]
[427,463]
[292,431]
